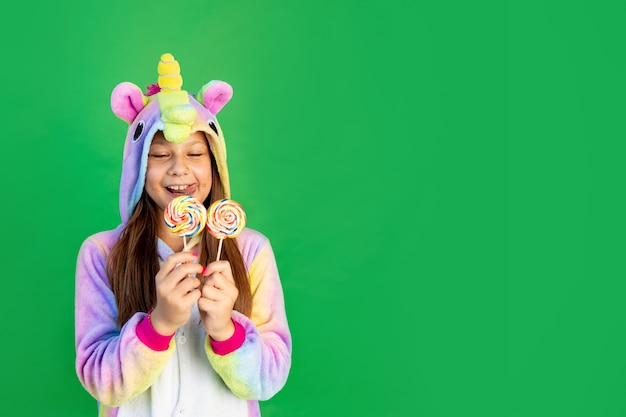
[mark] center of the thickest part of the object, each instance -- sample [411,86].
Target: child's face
[178,169]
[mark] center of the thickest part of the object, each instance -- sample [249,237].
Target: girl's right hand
[176,292]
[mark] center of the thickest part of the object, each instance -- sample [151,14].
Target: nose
[178,167]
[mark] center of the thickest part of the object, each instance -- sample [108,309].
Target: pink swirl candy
[185,215]
[226,218]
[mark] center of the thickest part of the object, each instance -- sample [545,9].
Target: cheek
[205,174]
[205,181]
[152,179]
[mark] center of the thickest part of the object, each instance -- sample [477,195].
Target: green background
[442,183]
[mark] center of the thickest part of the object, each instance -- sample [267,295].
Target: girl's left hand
[219,294]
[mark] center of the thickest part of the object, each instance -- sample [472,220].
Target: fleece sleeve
[113,364]
[258,369]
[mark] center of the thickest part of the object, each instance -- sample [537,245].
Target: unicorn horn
[170,79]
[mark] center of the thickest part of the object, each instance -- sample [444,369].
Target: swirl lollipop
[185,216]
[226,219]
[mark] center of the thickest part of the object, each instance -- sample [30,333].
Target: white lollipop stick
[219,249]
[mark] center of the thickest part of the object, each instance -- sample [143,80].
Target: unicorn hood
[166,107]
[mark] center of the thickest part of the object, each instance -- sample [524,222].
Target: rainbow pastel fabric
[188,379]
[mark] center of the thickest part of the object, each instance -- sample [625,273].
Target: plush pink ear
[127,100]
[215,95]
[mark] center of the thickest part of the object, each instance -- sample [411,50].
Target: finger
[220,280]
[173,261]
[227,288]
[184,287]
[192,297]
[181,272]
[189,284]
[188,269]
[212,293]
[222,296]
[213,308]
[216,280]
[177,285]
[207,306]
[222,267]
[179,258]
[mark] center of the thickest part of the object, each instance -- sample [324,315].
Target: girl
[157,332]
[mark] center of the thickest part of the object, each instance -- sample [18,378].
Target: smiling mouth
[180,189]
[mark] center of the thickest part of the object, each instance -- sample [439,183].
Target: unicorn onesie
[130,369]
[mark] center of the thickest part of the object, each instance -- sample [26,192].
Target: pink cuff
[229,345]
[150,337]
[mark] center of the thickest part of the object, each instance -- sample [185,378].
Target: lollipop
[185,216]
[226,219]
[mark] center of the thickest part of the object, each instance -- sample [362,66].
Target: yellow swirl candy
[185,215]
[226,218]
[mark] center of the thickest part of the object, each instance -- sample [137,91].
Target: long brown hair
[133,262]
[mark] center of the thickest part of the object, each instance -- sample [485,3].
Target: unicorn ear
[127,101]
[215,95]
